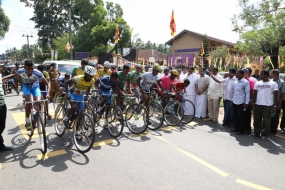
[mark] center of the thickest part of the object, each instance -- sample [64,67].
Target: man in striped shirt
[3,114]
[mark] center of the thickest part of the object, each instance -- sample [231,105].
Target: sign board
[151,59]
[187,50]
[81,55]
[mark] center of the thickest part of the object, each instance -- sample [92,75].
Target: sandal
[6,148]
[49,116]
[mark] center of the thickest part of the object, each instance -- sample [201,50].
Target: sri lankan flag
[117,38]
[172,24]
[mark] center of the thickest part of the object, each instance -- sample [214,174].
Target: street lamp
[28,42]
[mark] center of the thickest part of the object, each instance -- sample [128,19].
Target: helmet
[157,67]
[106,64]
[89,70]
[175,72]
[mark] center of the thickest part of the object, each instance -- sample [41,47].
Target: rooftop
[200,36]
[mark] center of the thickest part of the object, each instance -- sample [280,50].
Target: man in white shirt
[215,94]
[264,102]
[201,86]
[228,96]
[190,89]
[184,74]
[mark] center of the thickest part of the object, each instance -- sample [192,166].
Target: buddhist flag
[117,38]
[67,47]
[33,55]
[41,51]
[172,25]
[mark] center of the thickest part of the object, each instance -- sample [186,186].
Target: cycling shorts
[35,91]
[108,94]
[77,98]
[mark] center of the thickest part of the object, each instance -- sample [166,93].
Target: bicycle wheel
[189,111]
[83,132]
[43,112]
[91,112]
[156,116]
[58,120]
[173,113]
[136,118]
[41,133]
[55,101]
[115,120]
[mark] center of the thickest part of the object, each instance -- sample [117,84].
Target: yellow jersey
[78,71]
[80,85]
[101,72]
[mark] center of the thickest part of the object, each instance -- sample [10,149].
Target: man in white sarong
[190,90]
[201,86]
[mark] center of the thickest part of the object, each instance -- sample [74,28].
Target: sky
[149,18]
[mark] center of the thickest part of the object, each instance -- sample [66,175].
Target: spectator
[240,101]
[184,73]
[3,115]
[190,90]
[247,124]
[256,74]
[201,86]
[228,96]
[215,94]
[274,74]
[264,91]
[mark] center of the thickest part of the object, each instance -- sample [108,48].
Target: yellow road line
[140,135]
[168,128]
[20,119]
[51,154]
[192,123]
[252,185]
[0,166]
[215,169]
[105,142]
[280,136]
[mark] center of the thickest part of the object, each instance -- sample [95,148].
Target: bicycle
[189,110]
[113,115]
[136,115]
[155,111]
[173,111]
[81,123]
[37,122]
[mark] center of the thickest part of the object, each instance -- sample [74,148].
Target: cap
[246,70]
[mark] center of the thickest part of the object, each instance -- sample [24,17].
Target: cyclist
[134,76]
[31,78]
[61,82]
[146,81]
[105,84]
[179,87]
[124,80]
[79,70]
[81,85]
[43,87]
[166,84]
[105,71]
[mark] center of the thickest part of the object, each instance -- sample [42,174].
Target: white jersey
[31,81]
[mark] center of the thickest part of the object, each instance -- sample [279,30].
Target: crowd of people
[241,92]
[244,95]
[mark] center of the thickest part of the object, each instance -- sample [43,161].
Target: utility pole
[28,42]
[70,32]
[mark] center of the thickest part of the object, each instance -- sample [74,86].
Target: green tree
[60,44]
[4,23]
[262,25]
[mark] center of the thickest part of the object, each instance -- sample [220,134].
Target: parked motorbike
[8,86]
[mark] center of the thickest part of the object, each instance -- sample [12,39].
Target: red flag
[172,24]
[117,34]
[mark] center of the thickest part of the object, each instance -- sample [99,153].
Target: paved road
[201,155]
